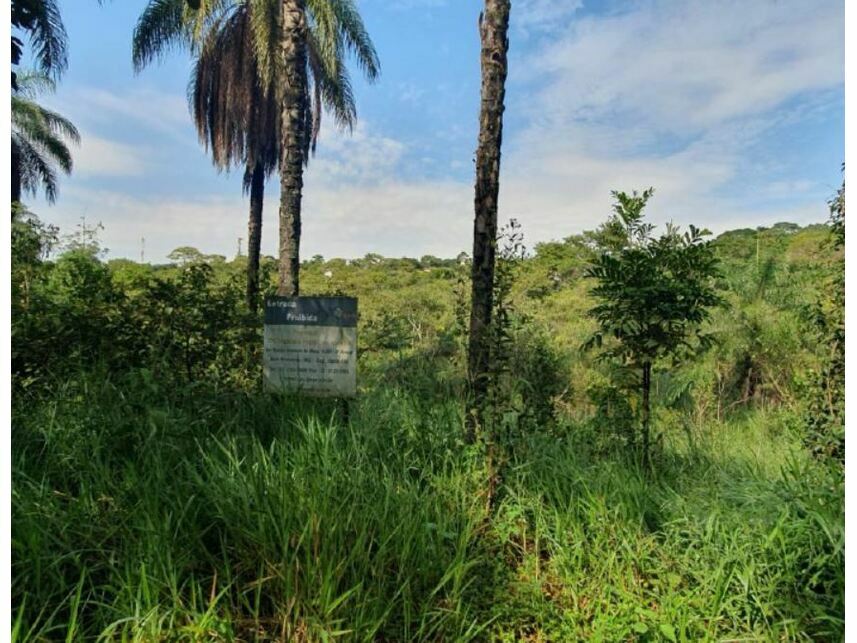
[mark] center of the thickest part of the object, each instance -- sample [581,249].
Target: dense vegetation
[159,493]
[683,481]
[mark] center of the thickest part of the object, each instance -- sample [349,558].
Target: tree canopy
[653,292]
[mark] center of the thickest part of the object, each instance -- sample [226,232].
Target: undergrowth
[149,512]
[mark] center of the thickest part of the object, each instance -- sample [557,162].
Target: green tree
[825,419]
[40,140]
[185,255]
[31,243]
[493,29]
[262,78]
[653,296]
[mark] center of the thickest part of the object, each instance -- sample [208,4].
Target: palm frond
[247,179]
[39,138]
[42,20]
[32,83]
[165,25]
[236,116]
[161,27]
[339,97]
[233,92]
[32,118]
[36,170]
[59,125]
[265,27]
[350,28]
[316,108]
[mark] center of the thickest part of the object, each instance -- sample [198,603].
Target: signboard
[311,345]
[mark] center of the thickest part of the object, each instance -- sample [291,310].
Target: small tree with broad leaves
[653,293]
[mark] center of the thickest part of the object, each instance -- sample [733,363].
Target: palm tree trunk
[254,235]
[293,134]
[16,174]
[493,27]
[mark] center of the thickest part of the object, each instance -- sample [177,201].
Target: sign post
[310,346]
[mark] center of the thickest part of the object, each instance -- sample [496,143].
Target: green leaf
[668,631]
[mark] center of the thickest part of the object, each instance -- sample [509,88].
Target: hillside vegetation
[160,494]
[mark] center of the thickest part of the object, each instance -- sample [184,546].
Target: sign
[310,345]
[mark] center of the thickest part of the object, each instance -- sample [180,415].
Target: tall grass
[142,513]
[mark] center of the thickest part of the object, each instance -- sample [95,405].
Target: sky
[732,110]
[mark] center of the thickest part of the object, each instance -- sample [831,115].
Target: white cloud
[143,109]
[534,16]
[681,66]
[526,16]
[355,157]
[102,157]
[574,195]
[411,93]
[786,189]
[682,96]
[415,4]
[392,218]
[212,224]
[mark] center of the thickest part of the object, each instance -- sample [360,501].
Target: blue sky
[732,110]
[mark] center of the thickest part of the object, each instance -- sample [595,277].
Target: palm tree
[43,23]
[493,28]
[293,115]
[39,140]
[339,29]
[241,83]
[237,119]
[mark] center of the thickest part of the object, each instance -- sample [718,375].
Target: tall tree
[239,87]
[493,29]
[40,140]
[237,119]
[339,27]
[293,111]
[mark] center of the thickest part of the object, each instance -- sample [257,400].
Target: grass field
[147,512]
